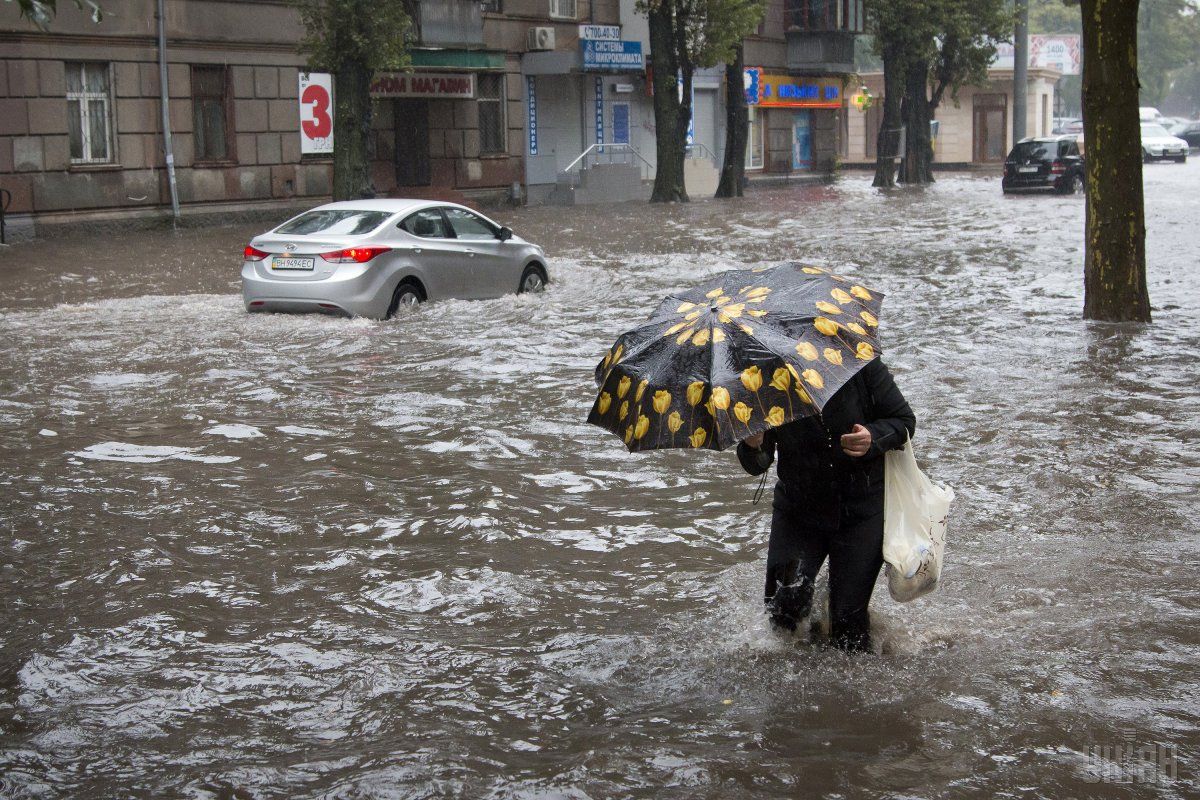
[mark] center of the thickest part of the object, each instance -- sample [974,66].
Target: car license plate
[1027,169]
[292,262]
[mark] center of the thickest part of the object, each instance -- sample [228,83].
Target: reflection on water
[298,555]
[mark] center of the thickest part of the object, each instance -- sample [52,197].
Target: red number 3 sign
[316,113]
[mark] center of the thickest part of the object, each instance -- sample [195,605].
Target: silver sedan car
[371,257]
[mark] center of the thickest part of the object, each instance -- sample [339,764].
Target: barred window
[492,138]
[89,112]
[491,7]
[564,9]
[210,106]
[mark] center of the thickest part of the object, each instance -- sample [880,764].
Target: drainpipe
[166,112]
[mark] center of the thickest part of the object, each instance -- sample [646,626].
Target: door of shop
[704,112]
[990,128]
[802,140]
[412,142]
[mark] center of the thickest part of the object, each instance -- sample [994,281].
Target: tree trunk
[1114,277]
[669,113]
[917,165]
[737,126]
[888,143]
[352,133]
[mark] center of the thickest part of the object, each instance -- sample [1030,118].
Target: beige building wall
[957,129]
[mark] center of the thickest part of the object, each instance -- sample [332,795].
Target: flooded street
[302,556]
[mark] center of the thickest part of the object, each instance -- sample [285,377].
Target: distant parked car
[1149,114]
[1069,125]
[1174,124]
[1191,134]
[371,257]
[1047,164]
[1158,145]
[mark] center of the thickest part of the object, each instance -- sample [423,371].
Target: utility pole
[1020,71]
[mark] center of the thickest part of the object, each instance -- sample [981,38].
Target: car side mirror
[504,234]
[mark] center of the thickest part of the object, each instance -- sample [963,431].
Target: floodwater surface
[302,556]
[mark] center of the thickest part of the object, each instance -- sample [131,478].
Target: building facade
[974,130]
[505,100]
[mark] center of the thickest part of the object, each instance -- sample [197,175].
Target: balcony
[820,34]
[449,23]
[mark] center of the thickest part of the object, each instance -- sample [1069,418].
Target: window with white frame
[492,137]
[754,139]
[563,9]
[89,112]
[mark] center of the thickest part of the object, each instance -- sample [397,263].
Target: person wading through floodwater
[829,501]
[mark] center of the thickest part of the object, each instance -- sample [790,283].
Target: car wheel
[1074,185]
[533,280]
[1181,159]
[1146,159]
[408,296]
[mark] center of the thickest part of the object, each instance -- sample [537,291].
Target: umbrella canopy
[748,351]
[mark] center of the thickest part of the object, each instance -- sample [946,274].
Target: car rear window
[1154,130]
[339,222]
[1035,151]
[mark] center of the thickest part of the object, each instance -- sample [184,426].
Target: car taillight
[254,254]
[1057,168]
[354,255]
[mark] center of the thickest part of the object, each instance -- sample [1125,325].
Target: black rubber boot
[791,604]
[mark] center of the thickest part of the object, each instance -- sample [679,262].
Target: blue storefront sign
[609,56]
[531,89]
[600,111]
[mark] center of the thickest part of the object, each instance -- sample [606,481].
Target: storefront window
[754,140]
[492,137]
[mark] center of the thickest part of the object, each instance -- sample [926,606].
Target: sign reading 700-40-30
[316,112]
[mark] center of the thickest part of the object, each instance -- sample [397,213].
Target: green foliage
[1168,39]
[1186,88]
[708,31]
[967,42]
[1168,42]
[366,33]
[720,26]
[1054,16]
[955,38]
[41,12]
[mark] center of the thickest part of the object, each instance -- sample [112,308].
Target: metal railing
[608,151]
[702,148]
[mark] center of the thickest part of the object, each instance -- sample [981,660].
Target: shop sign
[787,91]
[607,56]
[316,112]
[608,33]
[531,90]
[1056,51]
[599,100]
[432,85]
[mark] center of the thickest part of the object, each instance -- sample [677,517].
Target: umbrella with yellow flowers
[748,351]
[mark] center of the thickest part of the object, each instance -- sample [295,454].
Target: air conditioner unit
[541,38]
[563,9]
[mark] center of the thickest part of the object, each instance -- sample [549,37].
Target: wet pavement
[301,556]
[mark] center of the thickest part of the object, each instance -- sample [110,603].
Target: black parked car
[1190,134]
[1052,163]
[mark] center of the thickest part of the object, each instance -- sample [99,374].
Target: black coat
[816,478]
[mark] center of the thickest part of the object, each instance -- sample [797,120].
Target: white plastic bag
[914,526]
